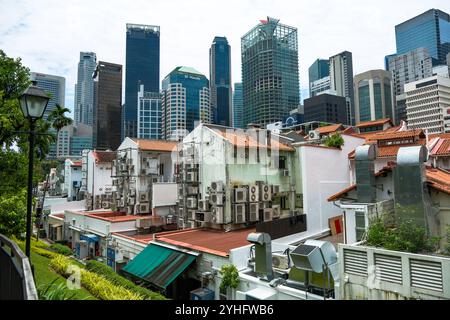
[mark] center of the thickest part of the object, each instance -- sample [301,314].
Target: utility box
[202,294]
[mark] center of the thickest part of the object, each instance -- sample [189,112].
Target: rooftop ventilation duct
[263,254]
[365,173]
[410,184]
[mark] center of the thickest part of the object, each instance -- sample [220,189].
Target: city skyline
[370,42]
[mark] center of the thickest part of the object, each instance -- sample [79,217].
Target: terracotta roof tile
[156,145]
[116,216]
[374,123]
[104,156]
[330,129]
[442,148]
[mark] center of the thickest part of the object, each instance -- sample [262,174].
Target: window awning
[159,265]
[90,237]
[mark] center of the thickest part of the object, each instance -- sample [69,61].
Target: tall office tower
[55,86]
[430,30]
[149,114]
[428,104]
[386,61]
[325,108]
[238,106]
[141,67]
[322,85]
[448,62]
[373,96]
[220,81]
[317,71]
[185,102]
[269,72]
[80,139]
[405,68]
[108,105]
[84,89]
[341,81]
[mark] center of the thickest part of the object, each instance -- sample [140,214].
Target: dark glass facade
[326,108]
[107,105]
[238,106]
[141,67]
[220,81]
[318,70]
[269,72]
[430,30]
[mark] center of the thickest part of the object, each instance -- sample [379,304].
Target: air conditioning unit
[132,192]
[275,189]
[285,173]
[191,215]
[216,199]
[143,208]
[121,203]
[203,216]
[217,215]
[254,212]
[268,214]
[123,167]
[143,196]
[129,161]
[131,168]
[131,201]
[114,163]
[313,135]
[217,186]
[280,261]
[192,190]
[239,213]
[108,189]
[203,205]
[253,193]
[143,223]
[191,176]
[190,225]
[276,211]
[105,204]
[266,192]
[240,195]
[192,203]
[180,212]
[115,182]
[130,210]
[97,197]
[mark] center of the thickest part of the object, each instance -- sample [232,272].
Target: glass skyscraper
[55,86]
[318,70]
[238,106]
[220,81]
[269,72]
[430,30]
[149,112]
[141,68]
[185,102]
[84,89]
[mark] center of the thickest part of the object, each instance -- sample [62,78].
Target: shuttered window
[355,262]
[426,275]
[388,268]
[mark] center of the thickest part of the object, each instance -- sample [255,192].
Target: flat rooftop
[114,216]
[217,242]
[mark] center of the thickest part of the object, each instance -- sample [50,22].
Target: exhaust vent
[365,173]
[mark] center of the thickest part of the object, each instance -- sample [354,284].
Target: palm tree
[58,119]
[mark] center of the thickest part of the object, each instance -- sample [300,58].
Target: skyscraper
[341,81]
[238,106]
[185,102]
[269,72]
[108,103]
[149,114]
[220,81]
[55,86]
[325,108]
[141,68]
[373,96]
[84,89]
[430,30]
[318,70]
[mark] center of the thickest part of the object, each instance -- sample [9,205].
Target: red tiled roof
[442,148]
[330,129]
[115,216]
[242,139]
[374,123]
[104,156]
[342,193]
[58,215]
[392,135]
[142,238]
[76,164]
[216,242]
[156,145]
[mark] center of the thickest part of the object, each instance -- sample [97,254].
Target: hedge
[61,249]
[105,271]
[97,285]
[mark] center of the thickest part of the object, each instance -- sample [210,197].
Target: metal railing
[16,277]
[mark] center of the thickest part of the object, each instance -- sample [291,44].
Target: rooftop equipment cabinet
[202,294]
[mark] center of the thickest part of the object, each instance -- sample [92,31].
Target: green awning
[159,265]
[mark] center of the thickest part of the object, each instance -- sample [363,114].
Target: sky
[49,34]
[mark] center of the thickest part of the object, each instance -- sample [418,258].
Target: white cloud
[49,34]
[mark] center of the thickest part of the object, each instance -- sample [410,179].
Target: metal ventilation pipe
[365,173]
[263,254]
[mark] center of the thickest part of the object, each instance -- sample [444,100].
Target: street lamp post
[33,103]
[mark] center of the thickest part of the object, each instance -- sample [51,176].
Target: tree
[13,212]
[335,140]
[230,277]
[58,118]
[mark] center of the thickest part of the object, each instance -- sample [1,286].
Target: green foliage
[13,211]
[58,117]
[335,140]
[61,249]
[105,271]
[447,238]
[55,291]
[230,277]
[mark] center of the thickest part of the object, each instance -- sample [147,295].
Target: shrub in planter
[61,249]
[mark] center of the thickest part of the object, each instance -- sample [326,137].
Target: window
[360,224]
[282,162]
[161,169]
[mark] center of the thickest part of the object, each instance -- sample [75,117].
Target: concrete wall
[98,176]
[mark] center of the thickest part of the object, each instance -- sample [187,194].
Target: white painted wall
[98,176]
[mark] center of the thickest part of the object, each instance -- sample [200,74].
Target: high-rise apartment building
[317,71]
[220,81]
[238,106]
[141,68]
[84,89]
[54,86]
[108,105]
[430,30]
[428,104]
[373,96]
[185,102]
[341,81]
[405,68]
[149,114]
[269,72]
